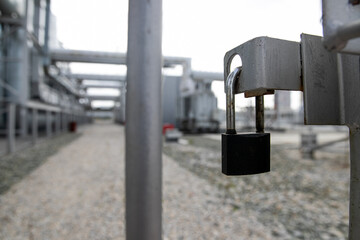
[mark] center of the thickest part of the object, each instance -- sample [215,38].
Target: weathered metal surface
[331,83]
[321,84]
[34,125]
[268,64]
[349,98]
[341,26]
[230,83]
[10,128]
[144,121]
[354,206]
[259,106]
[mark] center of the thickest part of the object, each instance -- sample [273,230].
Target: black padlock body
[244,154]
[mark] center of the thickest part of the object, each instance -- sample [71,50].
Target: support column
[144,120]
[23,121]
[58,122]
[63,122]
[354,216]
[34,127]
[11,127]
[48,124]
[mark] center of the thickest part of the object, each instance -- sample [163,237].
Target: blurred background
[62,120]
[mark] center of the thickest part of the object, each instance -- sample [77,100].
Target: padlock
[244,154]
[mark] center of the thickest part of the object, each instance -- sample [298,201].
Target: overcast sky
[201,29]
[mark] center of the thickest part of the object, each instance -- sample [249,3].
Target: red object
[72,126]
[166,127]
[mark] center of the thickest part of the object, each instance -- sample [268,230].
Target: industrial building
[41,95]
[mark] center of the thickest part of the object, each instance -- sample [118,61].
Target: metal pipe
[8,7]
[144,120]
[58,122]
[98,77]
[63,121]
[48,123]
[259,101]
[34,127]
[199,75]
[66,55]
[354,206]
[23,121]
[36,18]
[46,37]
[230,100]
[11,127]
[342,35]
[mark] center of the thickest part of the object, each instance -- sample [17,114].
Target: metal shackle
[230,100]
[231,82]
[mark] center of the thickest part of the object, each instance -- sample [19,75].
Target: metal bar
[8,87]
[85,86]
[354,215]
[230,100]
[57,122]
[12,21]
[63,121]
[23,121]
[327,144]
[36,19]
[98,77]
[46,37]
[42,106]
[34,127]
[102,97]
[259,101]
[48,124]
[65,55]
[144,114]
[11,127]
[343,34]
[199,75]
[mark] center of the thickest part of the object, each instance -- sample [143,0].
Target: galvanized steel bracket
[331,85]
[330,81]
[341,26]
[268,64]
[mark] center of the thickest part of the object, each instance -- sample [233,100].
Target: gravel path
[78,193]
[298,199]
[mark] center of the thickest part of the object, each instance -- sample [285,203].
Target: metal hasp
[268,64]
[331,86]
[244,154]
[144,121]
[331,97]
[341,26]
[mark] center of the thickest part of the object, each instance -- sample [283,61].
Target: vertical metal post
[58,122]
[63,120]
[122,105]
[354,216]
[11,127]
[36,19]
[144,120]
[34,123]
[23,121]
[48,123]
[46,37]
[259,105]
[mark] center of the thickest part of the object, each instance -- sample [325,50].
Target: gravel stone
[78,193]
